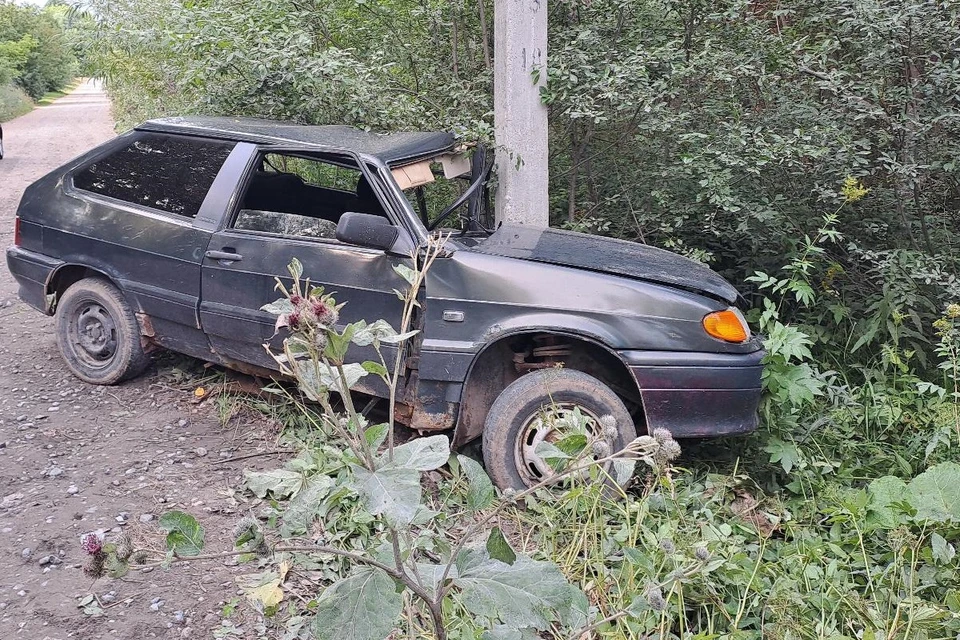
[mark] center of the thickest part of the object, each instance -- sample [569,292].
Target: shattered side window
[169,173]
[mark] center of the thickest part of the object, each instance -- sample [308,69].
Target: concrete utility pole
[520,120]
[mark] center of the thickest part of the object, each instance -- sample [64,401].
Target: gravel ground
[76,458]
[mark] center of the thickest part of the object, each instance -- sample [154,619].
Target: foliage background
[37,53]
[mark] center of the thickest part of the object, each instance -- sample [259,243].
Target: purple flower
[92,543]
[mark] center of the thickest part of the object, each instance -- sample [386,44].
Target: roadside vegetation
[807,151]
[37,54]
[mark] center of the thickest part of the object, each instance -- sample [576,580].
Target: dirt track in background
[76,458]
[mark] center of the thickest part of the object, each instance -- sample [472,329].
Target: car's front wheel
[539,407]
[98,334]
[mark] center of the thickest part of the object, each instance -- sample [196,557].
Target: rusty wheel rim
[537,429]
[93,334]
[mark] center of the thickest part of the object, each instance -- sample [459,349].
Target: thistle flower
[320,341]
[326,314]
[662,435]
[95,565]
[92,543]
[600,449]
[124,547]
[667,545]
[702,554]
[670,450]
[246,525]
[608,426]
[293,320]
[654,597]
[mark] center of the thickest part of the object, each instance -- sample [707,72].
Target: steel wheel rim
[533,468]
[93,334]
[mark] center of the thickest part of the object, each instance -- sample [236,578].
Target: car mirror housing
[367,230]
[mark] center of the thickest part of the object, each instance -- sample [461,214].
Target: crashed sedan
[173,234]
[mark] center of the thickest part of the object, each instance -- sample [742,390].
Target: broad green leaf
[368,334]
[400,337]
[269,594]
[549,451]
[339,342]
[375,368]
[302,509]
[573,444]
[480,492]
[883,493]
[577,614]
[527,593]
[431,574]
[406,273]
[390,491]
[282,483]
[943,551]
[278,307]
[422,454]
[499,547]
[935,493]
[622,470]
[638,606]
[376,434]
[330,376]
[184,533]
[115,567]
[363,606]
[786,453]
[504,632]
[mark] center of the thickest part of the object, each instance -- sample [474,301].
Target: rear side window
[169,173]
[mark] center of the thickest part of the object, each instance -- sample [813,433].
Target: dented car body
[192,219]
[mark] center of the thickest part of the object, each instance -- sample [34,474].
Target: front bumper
[695,395]
[32,272]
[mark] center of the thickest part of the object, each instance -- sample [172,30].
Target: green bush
[34,51]
[13,102]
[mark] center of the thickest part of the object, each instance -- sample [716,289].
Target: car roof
[390,148]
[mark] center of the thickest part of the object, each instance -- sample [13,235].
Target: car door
[254,248]
[139,211]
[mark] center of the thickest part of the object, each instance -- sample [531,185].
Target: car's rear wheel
[98,334]
[528,413]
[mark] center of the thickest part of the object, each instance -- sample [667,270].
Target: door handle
[224,256]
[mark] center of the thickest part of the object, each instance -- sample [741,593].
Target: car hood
[606,255]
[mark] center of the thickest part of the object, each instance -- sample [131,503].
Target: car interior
[302,196]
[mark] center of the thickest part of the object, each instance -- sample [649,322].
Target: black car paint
[197,284]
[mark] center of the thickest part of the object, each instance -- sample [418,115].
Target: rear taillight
[16,231]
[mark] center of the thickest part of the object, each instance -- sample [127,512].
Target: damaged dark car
[172,235]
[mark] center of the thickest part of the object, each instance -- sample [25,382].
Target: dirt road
[75,458]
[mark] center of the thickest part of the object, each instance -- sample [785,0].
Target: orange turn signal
[727,325]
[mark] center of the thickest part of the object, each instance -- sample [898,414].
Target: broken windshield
[448,191]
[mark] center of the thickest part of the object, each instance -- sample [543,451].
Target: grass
[13,102]
[50,96]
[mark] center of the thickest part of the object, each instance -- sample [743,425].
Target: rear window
[169,173]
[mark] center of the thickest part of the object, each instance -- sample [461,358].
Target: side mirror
[367,230]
